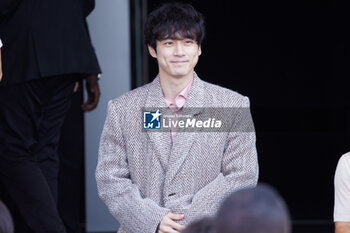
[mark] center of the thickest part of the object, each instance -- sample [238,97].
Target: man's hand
[168,224]
[93,92]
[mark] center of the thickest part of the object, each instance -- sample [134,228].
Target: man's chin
[180,74]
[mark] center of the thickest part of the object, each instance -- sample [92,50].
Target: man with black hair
[159,181]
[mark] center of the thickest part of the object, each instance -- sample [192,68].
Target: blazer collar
[161,140]
[195,99]
[172,157]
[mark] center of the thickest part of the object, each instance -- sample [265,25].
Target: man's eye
[189,41]
[168,43]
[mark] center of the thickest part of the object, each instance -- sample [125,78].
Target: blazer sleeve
[115,188]
[239,168]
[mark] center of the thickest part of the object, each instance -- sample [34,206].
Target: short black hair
[174,21]
[203,225]
[260,209]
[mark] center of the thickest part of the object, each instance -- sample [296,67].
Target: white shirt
[342,190]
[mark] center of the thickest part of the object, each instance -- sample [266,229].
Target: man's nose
[179,50]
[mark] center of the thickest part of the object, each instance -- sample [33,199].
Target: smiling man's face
[176,57]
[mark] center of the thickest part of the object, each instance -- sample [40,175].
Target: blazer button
[171,194]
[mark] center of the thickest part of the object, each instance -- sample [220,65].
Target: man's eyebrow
[174,38]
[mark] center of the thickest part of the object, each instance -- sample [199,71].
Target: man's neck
[172,86]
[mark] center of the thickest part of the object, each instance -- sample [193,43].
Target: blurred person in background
[47,50]
[342,195]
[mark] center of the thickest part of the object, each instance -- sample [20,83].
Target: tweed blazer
[141,176]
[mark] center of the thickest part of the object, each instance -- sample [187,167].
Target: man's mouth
[178,62]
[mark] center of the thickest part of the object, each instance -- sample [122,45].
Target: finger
[86,106]
[93,99]
[76,87]
[176,226]
[164,224]
[172,231]
[167,229]
[92,103]
[175,216]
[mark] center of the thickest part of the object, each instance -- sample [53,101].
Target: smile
[178,62]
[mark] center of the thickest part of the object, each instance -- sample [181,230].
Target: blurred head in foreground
[253,210]
[6,223]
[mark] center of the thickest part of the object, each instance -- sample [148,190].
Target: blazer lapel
[161,141]
[183,140]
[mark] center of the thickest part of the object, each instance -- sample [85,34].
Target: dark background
[291,59]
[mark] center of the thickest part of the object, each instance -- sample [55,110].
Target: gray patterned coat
[141,177]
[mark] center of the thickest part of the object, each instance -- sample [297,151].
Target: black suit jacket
[44,38]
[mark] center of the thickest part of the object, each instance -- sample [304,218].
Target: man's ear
[199,50]
[152,51]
